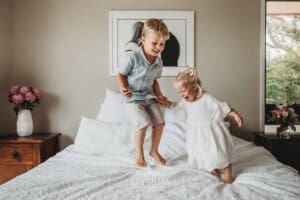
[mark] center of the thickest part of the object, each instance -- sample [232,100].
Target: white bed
[91,169]
[73,175]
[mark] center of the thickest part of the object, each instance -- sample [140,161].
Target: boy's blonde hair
[188,79]
[156,25]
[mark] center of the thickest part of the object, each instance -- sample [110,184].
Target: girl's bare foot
[216,172]
[228,180]
[157,157]
[228,174]
[140,159]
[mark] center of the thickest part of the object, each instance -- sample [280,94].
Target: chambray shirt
[140,74]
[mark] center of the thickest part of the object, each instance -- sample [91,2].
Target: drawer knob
[15,154]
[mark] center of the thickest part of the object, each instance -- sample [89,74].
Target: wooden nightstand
[286,151]
[19,154]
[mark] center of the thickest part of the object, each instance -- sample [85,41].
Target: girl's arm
[236,116]
[162,100]
[123,85]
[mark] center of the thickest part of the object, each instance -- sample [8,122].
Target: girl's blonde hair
[188,79]
[156,25]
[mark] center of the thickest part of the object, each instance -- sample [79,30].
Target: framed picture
[179,49]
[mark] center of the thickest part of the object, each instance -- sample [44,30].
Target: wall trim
[262,66]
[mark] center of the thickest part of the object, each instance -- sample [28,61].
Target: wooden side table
[286,151]
[19,154]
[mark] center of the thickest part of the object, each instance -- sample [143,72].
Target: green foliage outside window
[283,59]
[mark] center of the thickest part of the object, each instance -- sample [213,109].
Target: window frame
[264,107]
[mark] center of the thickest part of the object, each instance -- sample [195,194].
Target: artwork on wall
[125,29]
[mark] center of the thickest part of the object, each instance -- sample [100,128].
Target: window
[282,55]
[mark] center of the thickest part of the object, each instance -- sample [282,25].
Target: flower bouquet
[24,97]
[285,116]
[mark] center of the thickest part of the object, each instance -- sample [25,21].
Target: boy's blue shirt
[140,74]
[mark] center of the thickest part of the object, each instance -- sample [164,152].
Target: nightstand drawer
[13,154]
[20,154]
[8,171]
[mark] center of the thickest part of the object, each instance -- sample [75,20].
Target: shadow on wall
[5,126]
[239,132]
[41,117]
[7,112]
[41,112]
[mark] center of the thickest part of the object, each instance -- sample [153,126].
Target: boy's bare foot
[216,172]
[157,157]
[140,160]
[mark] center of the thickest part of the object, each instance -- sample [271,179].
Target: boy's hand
[162,100]
[237,118]
[124,91]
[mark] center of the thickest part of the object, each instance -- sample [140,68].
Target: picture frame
[181,28]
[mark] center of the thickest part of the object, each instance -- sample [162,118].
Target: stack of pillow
[111,133]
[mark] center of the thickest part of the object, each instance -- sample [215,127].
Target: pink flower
[38,93]
[29,96]
[24,89]
[285,114]
[278,116]
[24,97]
[14,89]
[17,99]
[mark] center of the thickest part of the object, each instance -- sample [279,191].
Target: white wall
[4,60]
[61,46]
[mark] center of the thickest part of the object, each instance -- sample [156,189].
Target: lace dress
[209,143]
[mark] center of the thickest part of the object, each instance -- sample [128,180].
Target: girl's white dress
[209,143]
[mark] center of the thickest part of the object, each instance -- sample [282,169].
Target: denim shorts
[144,112]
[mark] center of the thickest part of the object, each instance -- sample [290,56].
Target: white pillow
[176,113]
[112,109]
[173,143]
[173,139]
[103,138]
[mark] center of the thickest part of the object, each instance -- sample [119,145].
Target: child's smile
[153,45]
[188,94]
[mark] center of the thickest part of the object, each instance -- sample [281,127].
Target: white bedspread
[71,175]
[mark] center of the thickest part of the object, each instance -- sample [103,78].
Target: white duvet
[72,175]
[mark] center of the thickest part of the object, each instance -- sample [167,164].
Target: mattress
[74,175]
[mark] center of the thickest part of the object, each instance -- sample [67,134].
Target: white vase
[24,123]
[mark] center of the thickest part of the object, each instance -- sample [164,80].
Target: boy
[137,80]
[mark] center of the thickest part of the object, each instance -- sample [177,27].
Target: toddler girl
[209,143]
